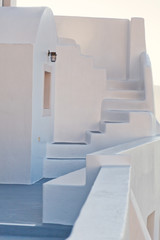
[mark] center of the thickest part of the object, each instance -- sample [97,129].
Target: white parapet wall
[68,197]
[141,200]
[104,213]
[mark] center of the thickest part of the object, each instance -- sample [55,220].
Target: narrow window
[150,224]
[47,90]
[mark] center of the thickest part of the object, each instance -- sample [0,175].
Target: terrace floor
[21,214]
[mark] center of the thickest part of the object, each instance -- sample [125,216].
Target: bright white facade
[87,120]
[26,126]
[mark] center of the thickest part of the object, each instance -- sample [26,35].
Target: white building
[87,120]
[26,73]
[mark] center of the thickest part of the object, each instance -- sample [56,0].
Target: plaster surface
[25,38]
[157,100]
[21,214]
[74,114]
[96,36]
[143,157]
[107,201]
[83,90]
[16,112]
[30,20]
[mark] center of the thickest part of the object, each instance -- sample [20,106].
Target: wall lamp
[52,55]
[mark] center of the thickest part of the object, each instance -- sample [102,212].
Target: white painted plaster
[143,156]
[66,197]
[136,226]
[145,83]
[66,186]
[11,31]
[96,37]
[16,112]
[42,124]
[137,45]
[25,126]
[144,161]
[24,43]
[82,90]
[60,166]
[107,201]
[111,133]
[157,101]
[79,91]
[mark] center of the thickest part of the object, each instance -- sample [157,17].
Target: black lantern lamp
[52,55]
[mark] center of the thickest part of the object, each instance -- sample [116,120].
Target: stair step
[125,94]
[123,84]
[103,125]
[117,133]
[114,116]
[111,135]
[67,151]
[56,167]
[122,104]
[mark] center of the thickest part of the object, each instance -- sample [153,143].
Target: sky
[125,9]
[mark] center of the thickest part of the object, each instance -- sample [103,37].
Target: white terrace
[87,120]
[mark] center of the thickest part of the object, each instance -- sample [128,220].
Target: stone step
[123,84]
[55,167]
[104,124]
[110,134]
[67,150]
[114,116]
[116,133]
[125,94]
[124,104]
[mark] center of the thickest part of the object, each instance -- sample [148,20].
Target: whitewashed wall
[107,49]
[79,91]
[15,112]
[98,37]
[42,121]
[157,101]
[143,157]
[24,127]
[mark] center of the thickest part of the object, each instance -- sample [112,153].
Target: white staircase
[125,116]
